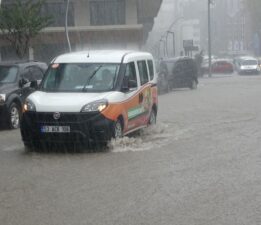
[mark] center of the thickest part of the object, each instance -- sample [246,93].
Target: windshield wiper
[93,74]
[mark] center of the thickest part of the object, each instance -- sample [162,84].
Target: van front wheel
[117,129]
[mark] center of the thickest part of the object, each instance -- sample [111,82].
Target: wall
[131,12]
[82,13]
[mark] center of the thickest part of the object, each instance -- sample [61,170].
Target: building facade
[191,24]
[92,24]
[231,27]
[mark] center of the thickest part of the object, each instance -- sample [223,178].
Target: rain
[130,112]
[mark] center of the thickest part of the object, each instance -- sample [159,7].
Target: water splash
[143,140]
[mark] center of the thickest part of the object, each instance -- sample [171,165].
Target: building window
[57,12]
[107,12]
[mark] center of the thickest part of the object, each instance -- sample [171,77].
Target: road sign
[187,43]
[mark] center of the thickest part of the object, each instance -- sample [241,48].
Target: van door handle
[140,98]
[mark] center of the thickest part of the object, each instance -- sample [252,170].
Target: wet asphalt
[201,166]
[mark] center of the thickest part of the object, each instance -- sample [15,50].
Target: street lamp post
[164,46]
[209,41]
[173,33]
[173,38]
[66,26]
[164,39]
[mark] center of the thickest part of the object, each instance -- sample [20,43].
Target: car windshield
[80,77]
[8,74]
[167,66]
[170,66]
[249,62]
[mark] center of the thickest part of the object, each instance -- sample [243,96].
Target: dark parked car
[163,86]
[17,81]
[178,72]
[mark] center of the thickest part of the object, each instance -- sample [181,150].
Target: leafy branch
[21,22]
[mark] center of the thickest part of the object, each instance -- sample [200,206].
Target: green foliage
[22,21]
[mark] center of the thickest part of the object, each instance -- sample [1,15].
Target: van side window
[151,69]
[143,72]
[131,73]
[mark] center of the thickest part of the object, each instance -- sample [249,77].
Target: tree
[21,22]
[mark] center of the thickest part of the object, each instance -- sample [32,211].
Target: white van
[247,65]
[91,96]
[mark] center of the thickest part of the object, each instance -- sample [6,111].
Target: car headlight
[2,99]
[97,106]
[258,68]
[29,106]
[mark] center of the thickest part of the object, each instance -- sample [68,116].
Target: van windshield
[249,62]
[8,74]
[80,77]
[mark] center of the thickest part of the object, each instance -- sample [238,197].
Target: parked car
[259,62]
[247,65]
[206,59]
[204,68]
[219,66]
[163,85]
[88,97]
[222,66]
[17,81]
[179,73]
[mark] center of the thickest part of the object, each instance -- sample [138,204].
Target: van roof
[248,58]
[100,56]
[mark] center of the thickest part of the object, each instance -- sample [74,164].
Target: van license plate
[55,129]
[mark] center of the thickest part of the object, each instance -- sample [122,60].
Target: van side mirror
[34,84]
[132,84]
[125,84]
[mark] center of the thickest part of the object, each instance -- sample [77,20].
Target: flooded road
[200,165]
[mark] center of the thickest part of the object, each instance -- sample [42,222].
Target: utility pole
[0,52]
[164,46]
[209,41]
[66,26]
[173,38]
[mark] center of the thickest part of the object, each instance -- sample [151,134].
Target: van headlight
[29,106]
[97,106]
[2,98]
